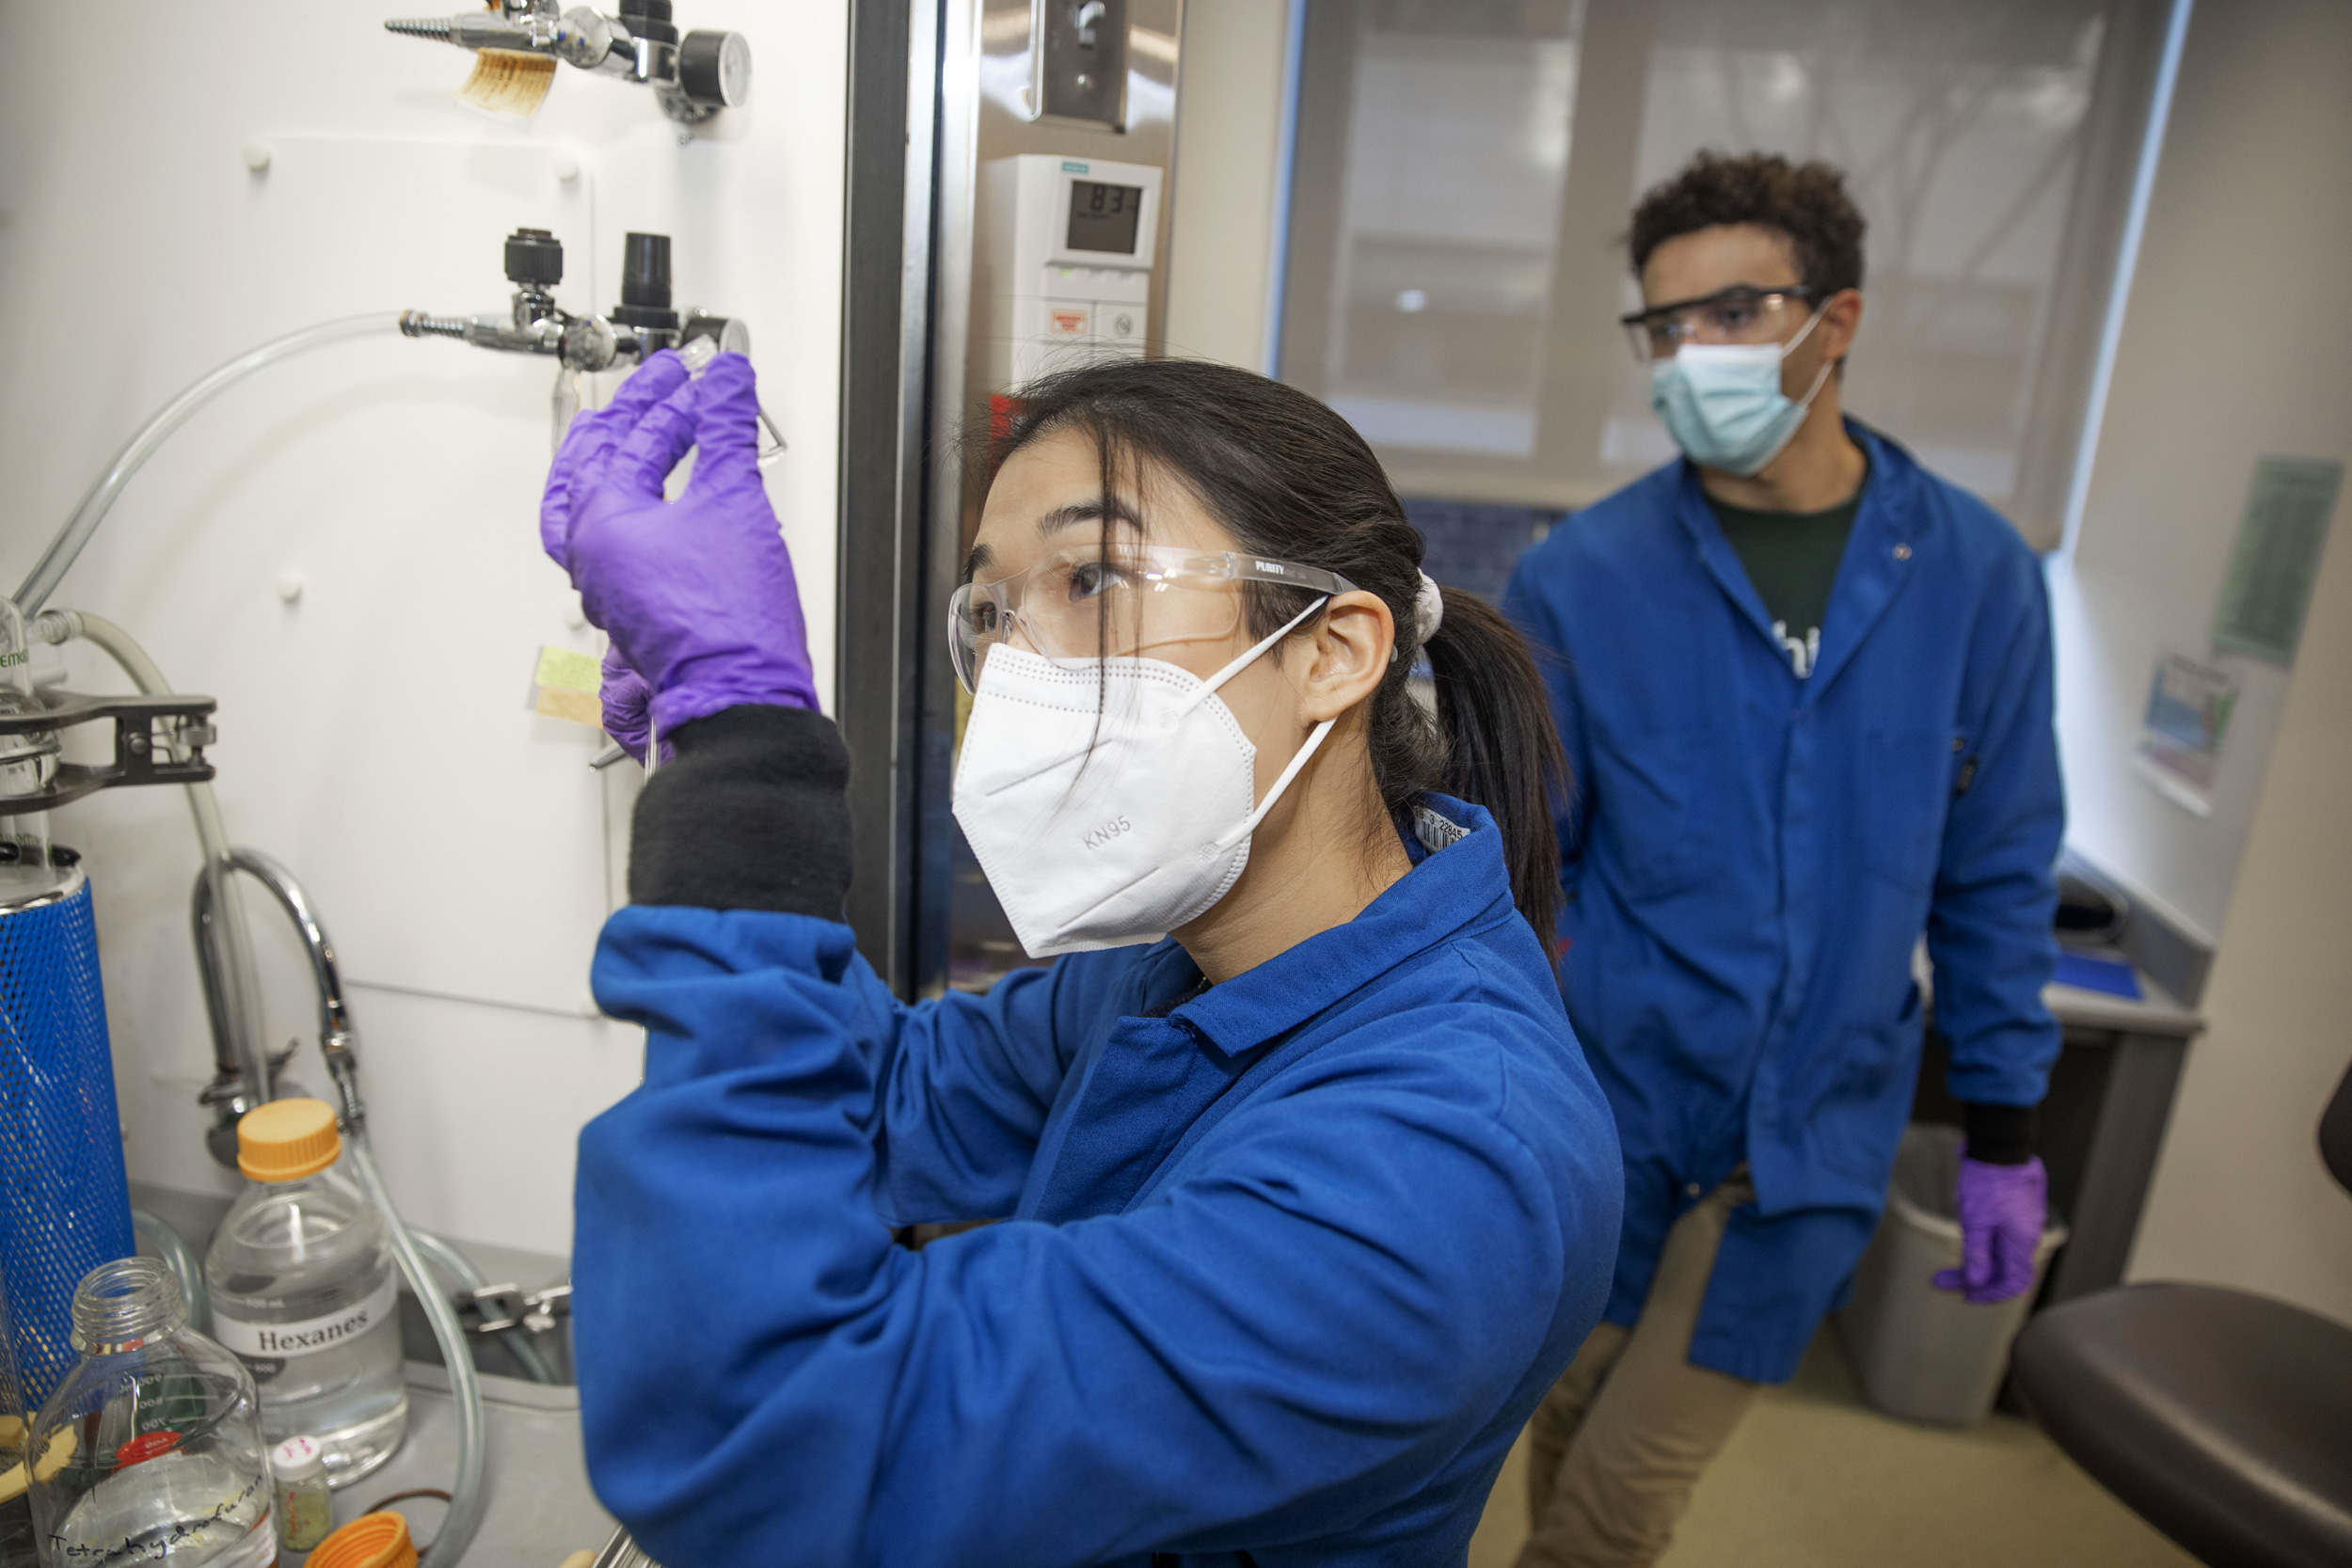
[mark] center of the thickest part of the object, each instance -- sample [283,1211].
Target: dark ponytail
[1503,748]
[1291,481]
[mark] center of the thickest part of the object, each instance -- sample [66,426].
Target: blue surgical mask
[1723,401]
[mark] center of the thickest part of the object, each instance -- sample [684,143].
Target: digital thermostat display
[1103,216]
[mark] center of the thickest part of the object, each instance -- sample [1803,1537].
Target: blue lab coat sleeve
[1273,1350]
[1989,927]
[962,1086]
[1344,1290]
[753,815]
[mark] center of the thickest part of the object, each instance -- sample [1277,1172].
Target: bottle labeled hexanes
[306,1293]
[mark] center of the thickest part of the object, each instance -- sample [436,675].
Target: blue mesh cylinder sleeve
[64,1205]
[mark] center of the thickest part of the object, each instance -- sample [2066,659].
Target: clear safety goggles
[1740,314]
[1114,600]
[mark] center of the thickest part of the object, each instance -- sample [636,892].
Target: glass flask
[150,1451]
[304,1290]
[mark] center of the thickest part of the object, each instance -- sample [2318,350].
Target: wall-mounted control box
[1068,273]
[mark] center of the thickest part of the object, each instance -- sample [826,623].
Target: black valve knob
[649,18]
[645,270]
[534,256]
[646,282]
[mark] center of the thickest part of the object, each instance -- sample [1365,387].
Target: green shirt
[1791,561]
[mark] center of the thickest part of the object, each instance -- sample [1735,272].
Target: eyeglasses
[1742,313]
[1114,600]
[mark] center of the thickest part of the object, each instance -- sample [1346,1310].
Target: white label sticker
[1436,832]
[312,1334]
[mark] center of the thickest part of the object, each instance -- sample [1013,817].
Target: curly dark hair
[1806,201]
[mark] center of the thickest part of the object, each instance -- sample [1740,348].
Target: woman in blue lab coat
[1306,1202]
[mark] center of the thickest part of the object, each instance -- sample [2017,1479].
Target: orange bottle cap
[371,1540]
[287,1138]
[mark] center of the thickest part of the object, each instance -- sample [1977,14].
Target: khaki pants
[1620,1441]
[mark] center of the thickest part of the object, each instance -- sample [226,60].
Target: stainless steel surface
[466,1279]
[75,876]
[501,1308]
[987,74]
[1078,61]
[985,84]
[540,1506]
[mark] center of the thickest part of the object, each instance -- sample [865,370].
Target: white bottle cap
[297,1459]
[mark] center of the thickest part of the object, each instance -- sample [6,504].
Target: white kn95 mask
[1109,801]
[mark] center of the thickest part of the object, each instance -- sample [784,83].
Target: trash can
[1925,1355]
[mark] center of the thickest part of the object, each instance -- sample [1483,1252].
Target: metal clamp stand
[158,741]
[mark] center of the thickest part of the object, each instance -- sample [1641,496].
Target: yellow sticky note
[574,672]
[565,684]
[577,708]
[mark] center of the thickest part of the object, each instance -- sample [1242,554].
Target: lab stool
[2222,1417]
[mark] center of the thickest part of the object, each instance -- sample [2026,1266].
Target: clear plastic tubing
[60,557]
[243,996]
[173,1250]
[463,1274]
[467,1500]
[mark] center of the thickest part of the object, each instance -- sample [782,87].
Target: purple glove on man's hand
[628,702]
[697,593]
[2001,1211]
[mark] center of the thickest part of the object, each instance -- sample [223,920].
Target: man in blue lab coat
[1804,686]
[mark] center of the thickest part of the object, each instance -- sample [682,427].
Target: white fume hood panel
[373,733]
[456,842]
[374,736]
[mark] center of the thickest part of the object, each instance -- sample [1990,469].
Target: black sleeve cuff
[1999,1135]
[753,813]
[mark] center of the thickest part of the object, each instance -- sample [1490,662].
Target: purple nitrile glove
[2001,1211]
[697,593]
[628,701]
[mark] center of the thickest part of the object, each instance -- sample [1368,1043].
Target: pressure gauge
[714,67]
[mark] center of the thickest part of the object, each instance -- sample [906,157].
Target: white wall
[372,732]
[2220,363]
[1229,129]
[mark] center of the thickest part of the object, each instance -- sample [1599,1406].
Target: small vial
[697,353]
[306,1510]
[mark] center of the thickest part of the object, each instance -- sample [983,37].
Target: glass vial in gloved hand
[150,1451]
[306,1293]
